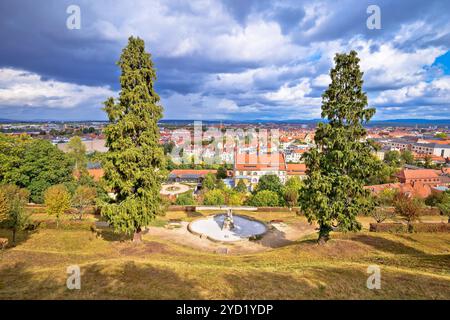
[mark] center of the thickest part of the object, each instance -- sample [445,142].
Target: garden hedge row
[416,227]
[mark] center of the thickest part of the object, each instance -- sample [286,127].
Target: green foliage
[168,147]
[185,199]
[33,164]
[386,197]
[12,208]
[270,182]
[385,174]
[392,158]
[77,152]
[265,198]
[209,181]
[57,201]
[341,164]
[444,204]
[434,199]
[441,135]
[384,200]
[241,186]
[135,163]
[221,173]
[236,199]
[295,183]
[83,197]
[214,197]
[291,195]
[407,156]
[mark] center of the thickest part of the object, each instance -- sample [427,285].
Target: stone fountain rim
[227,242]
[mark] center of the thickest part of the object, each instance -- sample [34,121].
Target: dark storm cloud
[35,39]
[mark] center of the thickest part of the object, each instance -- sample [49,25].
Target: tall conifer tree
[134,164]
[338,167]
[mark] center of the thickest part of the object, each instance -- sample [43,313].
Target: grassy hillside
[412,266]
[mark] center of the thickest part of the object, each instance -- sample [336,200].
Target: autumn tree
[135,163]
[408,207]
[342,162]
[12,208]
[57,201]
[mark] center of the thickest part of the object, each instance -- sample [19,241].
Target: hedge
[416,227]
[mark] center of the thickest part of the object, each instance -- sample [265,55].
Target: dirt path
[279,235]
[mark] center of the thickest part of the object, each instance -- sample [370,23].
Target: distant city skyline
[229,60]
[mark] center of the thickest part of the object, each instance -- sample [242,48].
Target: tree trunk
[410,227]
[14,236]
[137,236]
[324,234]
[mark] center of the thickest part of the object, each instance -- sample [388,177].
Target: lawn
[412,266]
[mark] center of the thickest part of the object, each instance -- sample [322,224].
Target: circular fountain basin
[211,227]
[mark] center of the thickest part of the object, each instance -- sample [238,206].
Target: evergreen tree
[338,167]
[134,164]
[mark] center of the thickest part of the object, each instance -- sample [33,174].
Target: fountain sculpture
[227,227]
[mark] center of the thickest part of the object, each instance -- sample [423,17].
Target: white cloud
[21,88]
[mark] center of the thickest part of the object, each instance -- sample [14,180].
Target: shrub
[387,227]
[241,186]
[434,199]
[414,227]
[265,198]
[291,196]
[270,182]
[235,198]
[185,199]
[214,197]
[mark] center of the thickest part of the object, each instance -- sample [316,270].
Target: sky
[223,59]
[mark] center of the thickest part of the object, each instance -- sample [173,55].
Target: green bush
[185,199]
[265,198]
[214,198]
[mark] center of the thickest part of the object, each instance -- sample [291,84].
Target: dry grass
[412,265]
